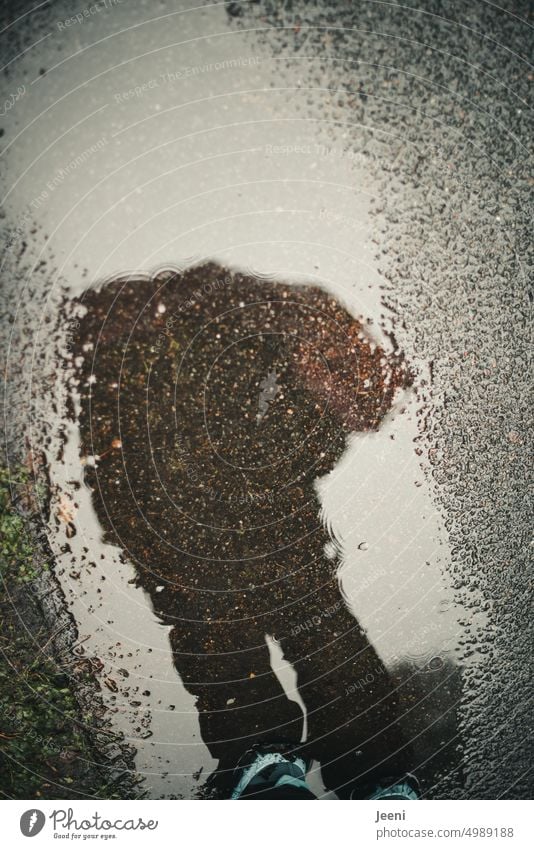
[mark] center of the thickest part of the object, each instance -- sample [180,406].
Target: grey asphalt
[381,150]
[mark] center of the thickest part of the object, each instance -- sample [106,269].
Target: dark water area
[209,403]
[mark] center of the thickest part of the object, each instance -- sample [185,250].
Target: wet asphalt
[257,536]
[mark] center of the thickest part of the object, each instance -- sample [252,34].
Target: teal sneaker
[272,771]
[405,788]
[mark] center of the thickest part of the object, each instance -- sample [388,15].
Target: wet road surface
[379,154]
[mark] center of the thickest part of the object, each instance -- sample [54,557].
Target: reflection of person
[217,508]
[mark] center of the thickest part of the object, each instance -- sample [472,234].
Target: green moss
[15,547]
[44,749]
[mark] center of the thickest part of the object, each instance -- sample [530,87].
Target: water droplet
[436,663]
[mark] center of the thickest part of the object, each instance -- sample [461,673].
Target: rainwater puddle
[338,558]
[222,524]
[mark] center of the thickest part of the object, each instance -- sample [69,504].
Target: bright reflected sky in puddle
[201,170]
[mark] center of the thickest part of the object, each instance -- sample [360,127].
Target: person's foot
[403,788]
[272,771]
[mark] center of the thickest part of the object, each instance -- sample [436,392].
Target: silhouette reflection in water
[210,403]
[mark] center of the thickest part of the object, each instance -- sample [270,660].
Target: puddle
[213,495]
[308,551]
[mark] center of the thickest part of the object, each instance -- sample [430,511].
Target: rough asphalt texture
[442,96]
